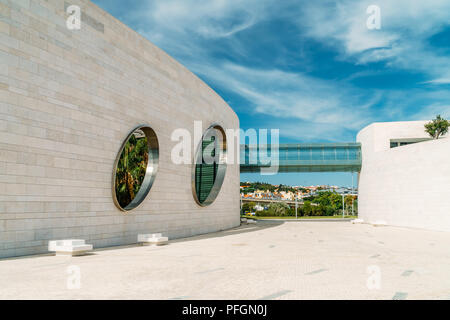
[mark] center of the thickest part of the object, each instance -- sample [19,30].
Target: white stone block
[144,237]
[357,221]
[251,221]
[379,223]
[73,247]
[152,239]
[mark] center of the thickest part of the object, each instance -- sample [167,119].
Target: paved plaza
[270,260]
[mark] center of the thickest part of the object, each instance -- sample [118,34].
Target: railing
[303,157]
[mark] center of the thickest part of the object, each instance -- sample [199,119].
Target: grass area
[299,218]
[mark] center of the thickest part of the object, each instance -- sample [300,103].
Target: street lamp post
[353,195]
[343,205]
[241,203]
[296,206]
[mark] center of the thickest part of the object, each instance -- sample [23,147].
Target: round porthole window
[135,168]
[209,165]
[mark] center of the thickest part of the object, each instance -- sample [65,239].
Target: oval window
[135,168]
[209,165]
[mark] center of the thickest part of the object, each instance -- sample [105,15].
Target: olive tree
[278,208]
[437,127]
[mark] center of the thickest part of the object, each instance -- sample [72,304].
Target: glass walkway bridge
[302,157]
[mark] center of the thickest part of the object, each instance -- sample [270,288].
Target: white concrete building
[402,182]
[68,99]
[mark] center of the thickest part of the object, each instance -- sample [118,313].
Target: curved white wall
[408,185]
[67,101]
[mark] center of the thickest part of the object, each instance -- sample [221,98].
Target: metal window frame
[221,170]
[150,173]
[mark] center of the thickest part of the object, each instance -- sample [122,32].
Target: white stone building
[405,176]
[68,99]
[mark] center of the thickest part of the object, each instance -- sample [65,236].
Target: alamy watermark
[73,22]
[374,280]
[74,277]
[373,22]
[223,147]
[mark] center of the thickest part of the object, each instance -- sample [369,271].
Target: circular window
[209,165]
[135,168]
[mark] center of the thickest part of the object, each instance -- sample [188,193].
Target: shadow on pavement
[243,228]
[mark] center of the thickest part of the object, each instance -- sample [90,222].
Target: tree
[349,200]
[278,208]
[248,207]
[328,198]
[437,127]
[318,210]
[307,208]
[330,203]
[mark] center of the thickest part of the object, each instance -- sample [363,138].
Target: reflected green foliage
[131,169]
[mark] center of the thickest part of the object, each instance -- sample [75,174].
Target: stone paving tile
[407,273]
[211,267]
[275,295]
[209,271]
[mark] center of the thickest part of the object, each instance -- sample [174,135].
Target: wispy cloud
[224,41]
[439,81]
[283,94]
[401,41]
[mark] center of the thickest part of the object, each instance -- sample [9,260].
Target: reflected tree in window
[131,168]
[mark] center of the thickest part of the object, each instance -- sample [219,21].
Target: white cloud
[402,40]
[208,19]
[439,81]
[281,94]
[195,31]
[430,112]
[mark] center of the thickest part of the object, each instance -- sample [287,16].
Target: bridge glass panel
[316,154]
[292,154]
[305,153]
[272,153]
[341,154]
[353,154]
[313,157]
[329,153]
[282,153]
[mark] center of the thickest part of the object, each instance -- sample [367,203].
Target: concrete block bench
[251,221]
[379,223]
[155,239]
[71,247]
[357,221]
[243,219]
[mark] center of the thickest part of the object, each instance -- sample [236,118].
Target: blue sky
[309,68]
